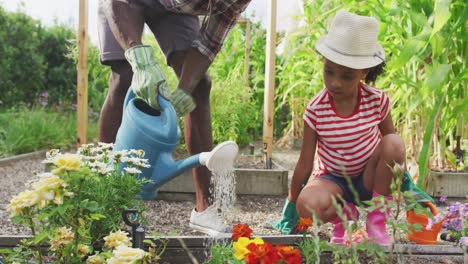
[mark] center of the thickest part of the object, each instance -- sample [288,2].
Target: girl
[349,125]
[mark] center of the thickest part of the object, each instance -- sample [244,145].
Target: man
[189,49]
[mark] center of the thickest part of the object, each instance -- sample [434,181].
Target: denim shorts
[357,185]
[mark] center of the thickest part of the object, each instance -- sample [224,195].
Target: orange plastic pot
[425,236]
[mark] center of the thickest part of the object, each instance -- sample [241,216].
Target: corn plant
[425,74]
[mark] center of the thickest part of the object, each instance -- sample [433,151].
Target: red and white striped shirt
[345,143]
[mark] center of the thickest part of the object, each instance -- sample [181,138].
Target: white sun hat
[352,41]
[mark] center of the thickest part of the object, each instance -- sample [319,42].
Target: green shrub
[234,115]
[38,128]
[22,67]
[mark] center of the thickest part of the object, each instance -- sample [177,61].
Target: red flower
[261,254]
[288,254]
[241,230]
[304,224]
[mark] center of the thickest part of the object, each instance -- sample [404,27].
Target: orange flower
[261,254]
[241,230]
[288,254]
[304,224]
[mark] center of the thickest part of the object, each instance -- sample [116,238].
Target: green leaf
[416,227]
[5,251]
[150,242]
[430,128]
[62,210]
[418,18]
[409,50]
[436,75]
[442,15]
[451,158]
[97,216]
[40,238]
[17,249]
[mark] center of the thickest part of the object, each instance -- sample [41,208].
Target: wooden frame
[82,76]
[186,249]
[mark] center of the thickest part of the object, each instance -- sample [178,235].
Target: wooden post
[269,85]
[247,55]
[82,76]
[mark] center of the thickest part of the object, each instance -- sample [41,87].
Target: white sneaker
[209,222]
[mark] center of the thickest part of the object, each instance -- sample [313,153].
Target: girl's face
[341,81]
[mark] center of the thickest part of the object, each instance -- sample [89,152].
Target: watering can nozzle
[223,155]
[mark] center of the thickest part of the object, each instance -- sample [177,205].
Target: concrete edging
[248,182]
[40,154]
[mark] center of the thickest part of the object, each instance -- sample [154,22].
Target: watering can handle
[431,207]
[163,102]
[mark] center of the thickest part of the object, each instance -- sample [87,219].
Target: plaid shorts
[173,32]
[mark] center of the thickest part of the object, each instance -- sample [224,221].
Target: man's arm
[199,58]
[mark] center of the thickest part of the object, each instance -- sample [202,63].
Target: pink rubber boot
[375,226]
[338,231]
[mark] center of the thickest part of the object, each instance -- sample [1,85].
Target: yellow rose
[49,188]
[115,239]
[95,259]
[69,162]
[62,238]
[21,201]
[240,246]
[123,254]
[83,249]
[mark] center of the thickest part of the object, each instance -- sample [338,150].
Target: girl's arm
[386,126]
[305,163]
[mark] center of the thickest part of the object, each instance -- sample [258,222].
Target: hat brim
[350,61]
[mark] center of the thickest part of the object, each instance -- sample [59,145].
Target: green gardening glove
[148,80]
[289,219]
[419,195]
[183,102]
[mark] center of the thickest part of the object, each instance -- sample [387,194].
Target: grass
[25,130]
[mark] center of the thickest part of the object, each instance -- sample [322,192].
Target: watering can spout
[165,169]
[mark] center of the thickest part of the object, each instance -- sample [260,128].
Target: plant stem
[33,231]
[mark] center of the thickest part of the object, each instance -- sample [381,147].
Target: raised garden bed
[450,184]
[180,249]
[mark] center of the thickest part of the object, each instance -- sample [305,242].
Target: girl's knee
[313,201]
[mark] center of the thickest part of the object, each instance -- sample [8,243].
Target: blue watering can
[158,133]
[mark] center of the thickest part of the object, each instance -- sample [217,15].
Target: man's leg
[199,138]
[112,54]
[111,112]
[198,134]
